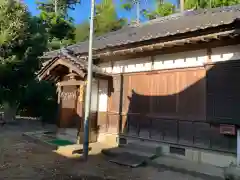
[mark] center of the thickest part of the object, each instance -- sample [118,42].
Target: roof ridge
[162,27]
[191,12]
[123,29]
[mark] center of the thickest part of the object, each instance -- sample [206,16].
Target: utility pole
[181,6]
[55,6]
[138,11]
[89,85]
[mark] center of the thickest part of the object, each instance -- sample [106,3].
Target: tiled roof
[74,61]
[188,21]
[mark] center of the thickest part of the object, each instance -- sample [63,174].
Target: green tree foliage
[82,32]
[22,41]
[162,9]
[106,20]
[131,4]
[62,5]
[40,100]
[60,27]
[195,4]
[57,26]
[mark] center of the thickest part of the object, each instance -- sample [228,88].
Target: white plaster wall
[103,96]
[133,65]
[171,61]
[180,60]
[107,67]
[168,61]
[94,97]
[225,53]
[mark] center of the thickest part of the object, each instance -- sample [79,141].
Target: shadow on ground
[22,158]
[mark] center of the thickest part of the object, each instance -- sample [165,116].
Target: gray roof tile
[162,27]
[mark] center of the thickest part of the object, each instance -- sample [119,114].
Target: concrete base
[205,171]
[37,139]
[113,152]
[190,154]
[76,150]
[132,155]
[71,151]
[92,137]
[110,139]
[72,135]
[201,156]
[232,172]
[163,149]
[67,134]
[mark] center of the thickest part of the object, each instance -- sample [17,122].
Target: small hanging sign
[227,129]
[68,95]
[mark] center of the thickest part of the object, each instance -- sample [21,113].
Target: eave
[78,65]
[169,44]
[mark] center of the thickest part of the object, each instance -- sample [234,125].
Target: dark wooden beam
[70,83]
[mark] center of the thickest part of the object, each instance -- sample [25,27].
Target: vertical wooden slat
[178,94]
[176,91]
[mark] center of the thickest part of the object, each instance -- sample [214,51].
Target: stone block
[110,139]
[217,159]
[232,172]
[92,137]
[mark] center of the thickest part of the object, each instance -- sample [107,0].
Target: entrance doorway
[71,106]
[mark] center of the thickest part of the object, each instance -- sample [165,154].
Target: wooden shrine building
[71,74]
[173,81]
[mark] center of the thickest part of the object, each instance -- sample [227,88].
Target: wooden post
[59,90]
[80,100]
[209,55]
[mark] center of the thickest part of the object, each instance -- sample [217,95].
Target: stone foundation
[71,134]
[200,155]
[106,138]
[187,153]
[193,154]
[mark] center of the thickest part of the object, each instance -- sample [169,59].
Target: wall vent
[177,150]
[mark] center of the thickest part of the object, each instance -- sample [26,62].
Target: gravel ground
[22,159]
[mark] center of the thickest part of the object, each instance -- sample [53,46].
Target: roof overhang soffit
[45,71]
[83,63]
[79,65]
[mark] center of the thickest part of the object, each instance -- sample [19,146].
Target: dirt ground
[24,159]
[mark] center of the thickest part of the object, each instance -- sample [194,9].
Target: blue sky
[82,12]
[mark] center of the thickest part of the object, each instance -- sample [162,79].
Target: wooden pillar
[59,91]
[209,55]
[80,102]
